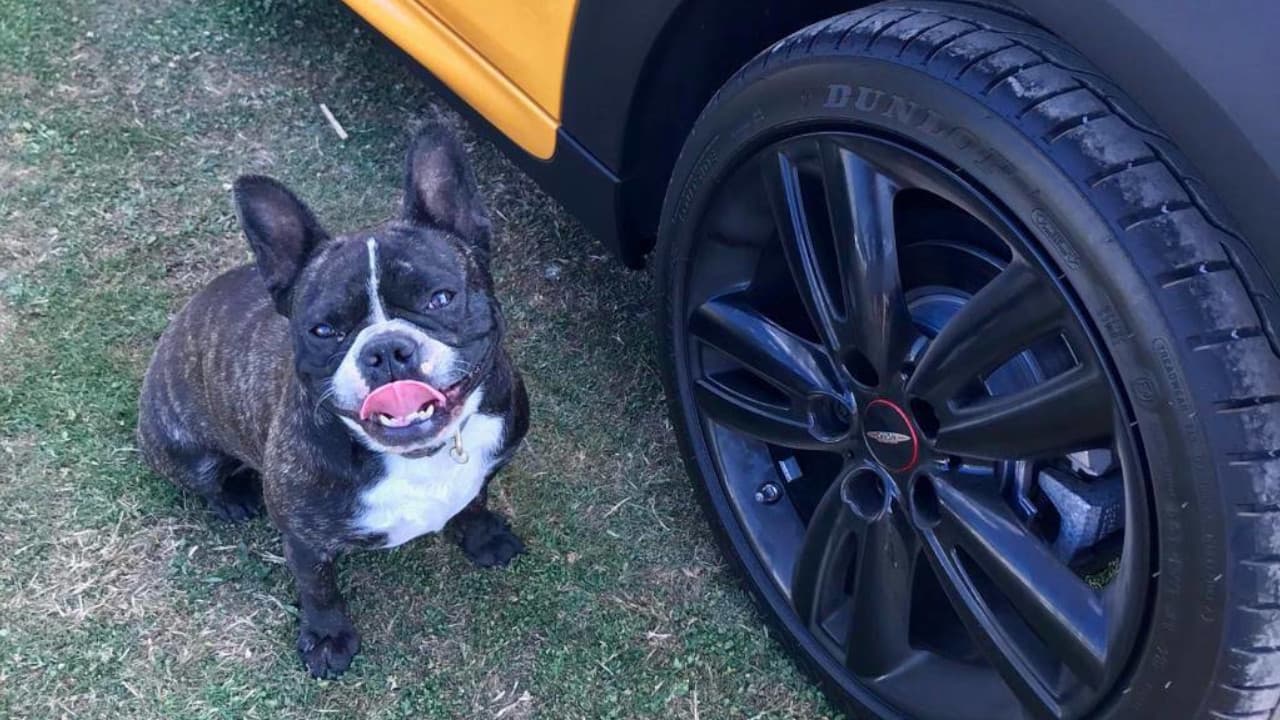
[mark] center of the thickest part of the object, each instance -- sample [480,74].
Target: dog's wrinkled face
[390,326]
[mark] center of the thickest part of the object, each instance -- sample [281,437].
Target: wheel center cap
[891,438]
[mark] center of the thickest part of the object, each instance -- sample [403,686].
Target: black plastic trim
[610,46]
[639,73]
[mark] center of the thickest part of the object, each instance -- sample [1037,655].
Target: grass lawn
[122,125]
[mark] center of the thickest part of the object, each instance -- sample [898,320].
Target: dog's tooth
[429,411]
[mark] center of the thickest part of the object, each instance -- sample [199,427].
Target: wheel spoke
[786,361]
[798,373]
[824,305]
[824,561]
[1014,309]
[860,203]
[880,607]
[852,586]
[1060,415]
[727,405]
[1015,570]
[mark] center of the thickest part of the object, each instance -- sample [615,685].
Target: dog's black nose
[394,353]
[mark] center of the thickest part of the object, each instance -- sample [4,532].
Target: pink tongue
[400,398]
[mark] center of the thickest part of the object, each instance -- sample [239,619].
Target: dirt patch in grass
[23,244]
[97,574]
[8,321]
[11,176]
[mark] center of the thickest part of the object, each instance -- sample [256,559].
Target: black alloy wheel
[911,305]
[880,333]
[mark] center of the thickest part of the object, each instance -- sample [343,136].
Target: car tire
[1128,230]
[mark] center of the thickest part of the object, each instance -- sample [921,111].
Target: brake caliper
[1089,501]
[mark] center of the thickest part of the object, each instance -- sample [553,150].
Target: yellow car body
[505,58]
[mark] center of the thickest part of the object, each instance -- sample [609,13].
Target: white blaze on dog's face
[391,326]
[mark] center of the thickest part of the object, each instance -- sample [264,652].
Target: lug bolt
[768,493]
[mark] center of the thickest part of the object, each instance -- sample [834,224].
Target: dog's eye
[439,299]
[325,332]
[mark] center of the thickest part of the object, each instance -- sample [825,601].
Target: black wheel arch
[639,73]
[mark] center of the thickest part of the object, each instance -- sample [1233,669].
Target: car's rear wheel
[969,381]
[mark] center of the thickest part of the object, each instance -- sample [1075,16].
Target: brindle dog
[358,384]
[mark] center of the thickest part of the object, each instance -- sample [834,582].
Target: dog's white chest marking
[418,496]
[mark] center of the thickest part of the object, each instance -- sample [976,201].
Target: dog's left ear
[440,188]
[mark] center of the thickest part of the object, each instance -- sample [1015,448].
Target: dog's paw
[235,507]
[327,653]
[487,541]
[239,498]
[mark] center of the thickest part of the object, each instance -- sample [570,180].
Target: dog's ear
[281,231]
[440,188]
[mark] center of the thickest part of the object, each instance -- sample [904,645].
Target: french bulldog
[356,385]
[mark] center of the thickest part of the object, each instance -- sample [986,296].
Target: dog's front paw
[234,507]
[487,541]
[239,498]
[326,652]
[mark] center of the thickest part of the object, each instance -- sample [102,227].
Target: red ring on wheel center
[891,438]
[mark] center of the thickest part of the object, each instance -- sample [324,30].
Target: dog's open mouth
[402,404]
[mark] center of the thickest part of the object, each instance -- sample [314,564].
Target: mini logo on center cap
[889,438]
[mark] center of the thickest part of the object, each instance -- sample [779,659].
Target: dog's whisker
[326,394]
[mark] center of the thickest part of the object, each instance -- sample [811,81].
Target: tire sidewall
[843,91]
